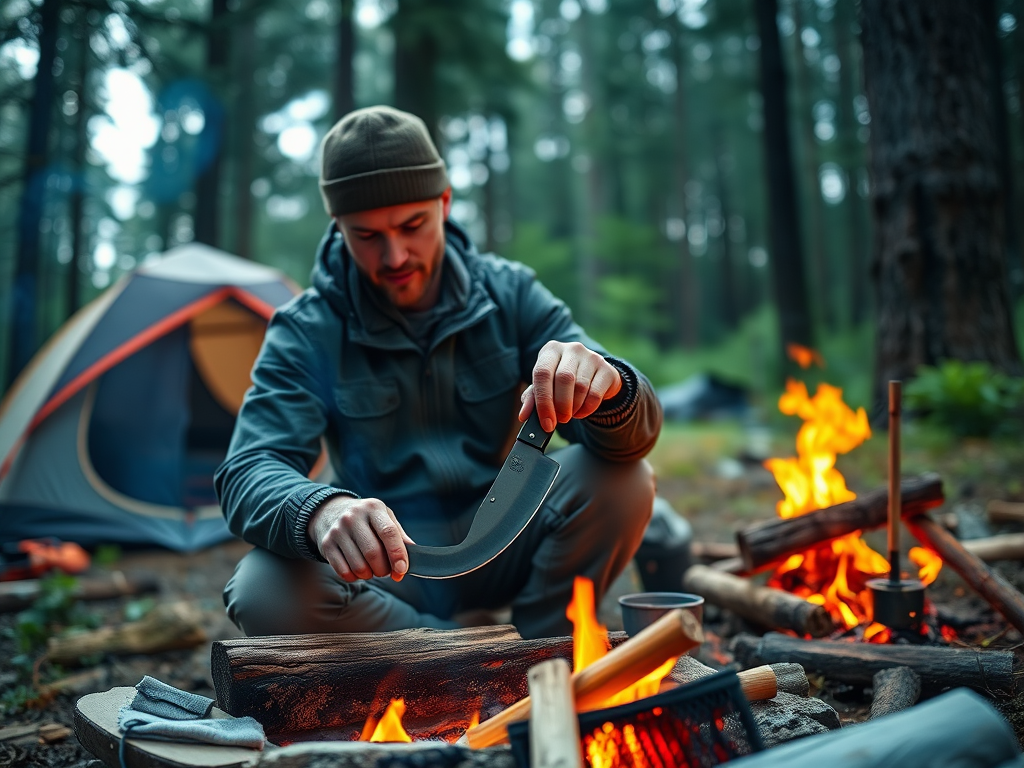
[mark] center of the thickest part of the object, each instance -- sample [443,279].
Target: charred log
[896,689]
[989,672]
[764,543]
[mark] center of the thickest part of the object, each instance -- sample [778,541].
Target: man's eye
[413,227]
[366,235]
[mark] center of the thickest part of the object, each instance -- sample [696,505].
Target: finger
[544,386]
[389,532]
[351,548]
[565,385]
[606,384]
[338,562]
[584,378]
[527,407]
[372,549]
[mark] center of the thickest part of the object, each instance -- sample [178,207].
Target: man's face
[400,249]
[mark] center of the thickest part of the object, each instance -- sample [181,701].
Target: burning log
[989,672]
[764,543]
[896,689]
[765,606]
[714,550]
[670,636]
[1000,594]
[329,683]
[554,727]
[1005,511]
[1009,546]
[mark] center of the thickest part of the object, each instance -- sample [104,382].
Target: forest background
[628,150]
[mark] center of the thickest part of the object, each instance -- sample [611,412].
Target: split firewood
[1008,546]
[765,606]
[671,636]
[765,543]
[999,593]
[167,627]
[554,726]
[758,684]
[1005,511]
[989,672]
[895,689]
[18,595]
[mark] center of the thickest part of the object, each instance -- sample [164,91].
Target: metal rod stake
[895,502]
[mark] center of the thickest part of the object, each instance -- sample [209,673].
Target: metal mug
[642,609]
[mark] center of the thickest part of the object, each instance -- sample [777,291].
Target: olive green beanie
[376,157]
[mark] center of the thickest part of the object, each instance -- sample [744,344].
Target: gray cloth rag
[159,711]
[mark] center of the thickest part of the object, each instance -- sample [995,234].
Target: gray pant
[590,525]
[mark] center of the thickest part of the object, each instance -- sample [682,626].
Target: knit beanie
[376,157]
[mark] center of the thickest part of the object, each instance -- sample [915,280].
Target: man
[408,358]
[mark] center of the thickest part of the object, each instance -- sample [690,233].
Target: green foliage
[968,399]
[137,609]
[106,555]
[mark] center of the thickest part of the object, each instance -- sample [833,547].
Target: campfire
[835,573]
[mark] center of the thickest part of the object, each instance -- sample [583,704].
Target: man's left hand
[569,382]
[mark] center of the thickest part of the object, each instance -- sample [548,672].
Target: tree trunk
[208,184]
[689,293]
[245,119]
[849,77]
[816,219]
[24,304]
[597,197]
[729,311]
[939,267]
[416,64]
[73,277]
[344,76]
[787,261]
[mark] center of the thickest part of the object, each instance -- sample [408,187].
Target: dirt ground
[711,474]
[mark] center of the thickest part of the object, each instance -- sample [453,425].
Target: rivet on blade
[532,435]
[492,498]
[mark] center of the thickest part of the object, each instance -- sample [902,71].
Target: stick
[714,550]
[18,595]
[938,667]
[554,727]
[896,689]
[167,627]
[764,543]
[1009,546]
[1006,511]
[670,636]
[766,606]
[1000,594]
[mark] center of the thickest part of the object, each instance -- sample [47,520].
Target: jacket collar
[372,322]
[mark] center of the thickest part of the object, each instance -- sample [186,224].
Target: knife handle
[532,433]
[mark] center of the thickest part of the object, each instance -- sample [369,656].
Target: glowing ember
[803,356]
[833,574]
[590,643]
[389,728]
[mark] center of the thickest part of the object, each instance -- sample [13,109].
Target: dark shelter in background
[113,431]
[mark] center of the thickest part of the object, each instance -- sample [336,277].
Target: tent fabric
[113,432]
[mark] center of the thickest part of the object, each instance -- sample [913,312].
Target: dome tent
[113,431]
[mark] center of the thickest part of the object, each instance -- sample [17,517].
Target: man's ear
[446,203]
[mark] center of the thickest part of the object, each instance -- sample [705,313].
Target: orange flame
[833,574]
[590,643]
[389,728]
[803,356]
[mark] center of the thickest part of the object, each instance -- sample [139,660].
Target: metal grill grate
[705,723]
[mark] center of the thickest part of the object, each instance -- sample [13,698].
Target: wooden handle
[759,683]
[895,502]
[672,635]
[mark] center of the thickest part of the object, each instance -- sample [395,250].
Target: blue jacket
[424,428]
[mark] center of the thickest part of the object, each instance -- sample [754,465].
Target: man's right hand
[360,538]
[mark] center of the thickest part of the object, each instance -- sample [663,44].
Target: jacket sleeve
[263,484]
[623,428]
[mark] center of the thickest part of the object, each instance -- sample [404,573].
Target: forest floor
[710,473]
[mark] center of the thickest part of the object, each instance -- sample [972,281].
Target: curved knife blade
[515,496]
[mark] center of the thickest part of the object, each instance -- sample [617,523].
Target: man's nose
[395,252]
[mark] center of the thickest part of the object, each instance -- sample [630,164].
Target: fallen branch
[765,606]
[165,628]
[714,550]
[18,595]
[764,543]
[1005,511]
[990,672]
[1000,594]
[895,689]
